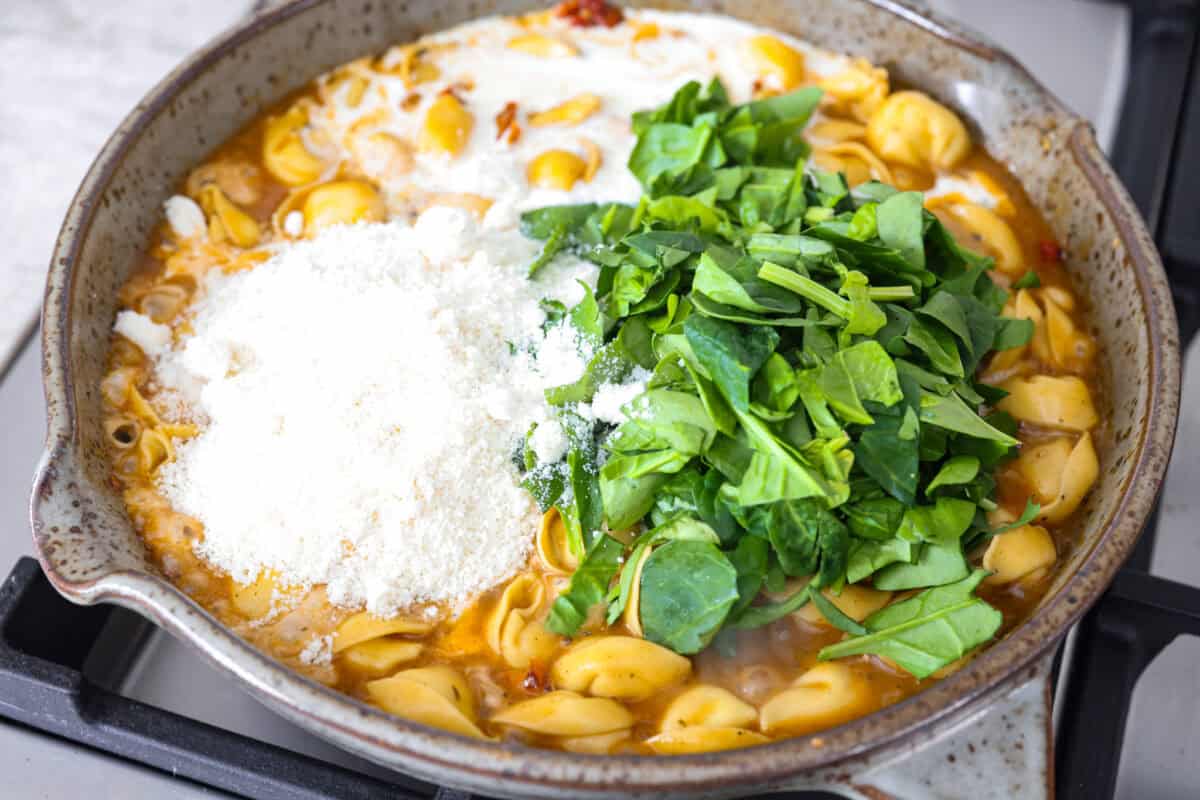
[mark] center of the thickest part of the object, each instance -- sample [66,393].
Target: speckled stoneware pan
[919,748]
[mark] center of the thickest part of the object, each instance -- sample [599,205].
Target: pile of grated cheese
[361,397]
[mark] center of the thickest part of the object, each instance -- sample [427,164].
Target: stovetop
[182,711]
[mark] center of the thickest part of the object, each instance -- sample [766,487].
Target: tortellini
[554,552]
[566,713]
[283,152]
[681,741]
[708,706]
[1022,551]
[1052,402]
[556,169]
[912,128]
[364,626]
[437,696]
[826,695]
[1057,341]
[1006,363]
[621,667]
[447,127]
[776,59]
[342,203]
[858,90]
[513,631]
[856,601]
[381,656]
[854,160]
[1060,474]
[258,599]
[382,155]
[631,616]
[992,235]
[227,222]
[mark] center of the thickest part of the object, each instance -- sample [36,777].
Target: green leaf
[749,558]
[776,473]
[1012,333]
[936,564]
[956,471]
[876,518]
[687,589]
[890,458]
[952,414]
[942,523]
[834,616]
[926,632]
[588,587]
[766,613]
[900,220]
[867,556]
[1029,280]
[806,537]
[729,354]
[937,343]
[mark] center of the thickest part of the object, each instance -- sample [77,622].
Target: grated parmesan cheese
[147,334]
[363,406]
[318,651]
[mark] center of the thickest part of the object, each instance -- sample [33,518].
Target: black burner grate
[55,664]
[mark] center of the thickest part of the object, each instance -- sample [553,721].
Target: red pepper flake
[1050,251]
[506,123]
[589,13]
[535,679]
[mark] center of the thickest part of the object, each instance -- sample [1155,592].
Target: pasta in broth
[496,667]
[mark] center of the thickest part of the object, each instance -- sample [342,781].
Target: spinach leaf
[749,558]
[926,632]
[867,556]
[729,354]
[952,414]
[936,564]
[901,224]
[766,613]
[834,615]
[890,457]
[874,518]
[956,471]
[687,589]
[588,587]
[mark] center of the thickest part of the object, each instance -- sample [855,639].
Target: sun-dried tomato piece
[589,13]
[506,123]
[1050,251]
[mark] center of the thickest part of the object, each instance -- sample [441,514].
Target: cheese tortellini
[984,230]
[437,696]
[827,695]
[513,631]
[283,151]
[621,667]
[858,90]
[1023,551]
[706,718]
[1060,473]
[855,601]
[1052,402]
[566,713]
[912,128]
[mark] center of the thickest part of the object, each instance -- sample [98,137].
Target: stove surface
[1077,48]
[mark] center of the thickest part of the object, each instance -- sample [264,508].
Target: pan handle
[1003,751]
